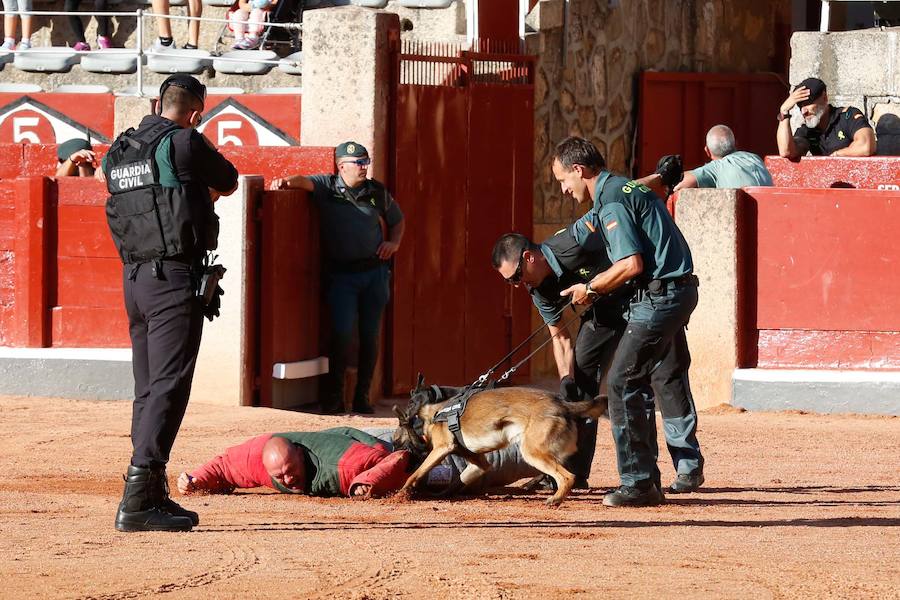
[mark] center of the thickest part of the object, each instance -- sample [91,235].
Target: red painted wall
[826,293]
[60,276]
[875,172]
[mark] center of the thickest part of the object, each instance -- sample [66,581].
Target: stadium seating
[46,60]
[114,60]
[240,65]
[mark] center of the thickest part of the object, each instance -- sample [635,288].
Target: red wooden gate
[462,172]
[677,109]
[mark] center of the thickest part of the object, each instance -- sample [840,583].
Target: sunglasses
[516,277]
[360,162]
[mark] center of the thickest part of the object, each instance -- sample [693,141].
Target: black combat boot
[138,511]
[161,496]
[361,403]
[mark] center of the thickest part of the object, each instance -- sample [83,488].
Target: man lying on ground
[335,462]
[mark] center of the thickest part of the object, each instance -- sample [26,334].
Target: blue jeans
[653,349]
[355,297]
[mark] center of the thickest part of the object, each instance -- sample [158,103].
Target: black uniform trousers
[165,321]
[595,346]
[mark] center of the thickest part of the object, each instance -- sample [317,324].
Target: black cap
[353,149]
[187,82]
[816,88]
[70,147]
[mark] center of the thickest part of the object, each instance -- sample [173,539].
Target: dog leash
[484,377]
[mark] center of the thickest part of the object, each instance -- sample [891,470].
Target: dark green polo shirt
[633,220]
[351,217]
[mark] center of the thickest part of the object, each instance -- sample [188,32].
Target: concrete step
[820,391]
[83,373]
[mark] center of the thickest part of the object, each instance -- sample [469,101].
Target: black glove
[569,390]
[670,170]
[211,310]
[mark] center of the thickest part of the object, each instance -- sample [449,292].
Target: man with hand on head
[827,130]
[362,227]
[76,158]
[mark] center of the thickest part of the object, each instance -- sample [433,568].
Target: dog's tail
[587,409]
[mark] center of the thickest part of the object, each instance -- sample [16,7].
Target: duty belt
[661,285]
[353,266]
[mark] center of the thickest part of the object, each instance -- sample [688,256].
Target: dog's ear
[400,414]
[420,381]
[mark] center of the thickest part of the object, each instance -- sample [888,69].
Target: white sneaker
[158,46]
[25,45]
[8,44]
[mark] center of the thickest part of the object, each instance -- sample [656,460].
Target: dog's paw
[553,502]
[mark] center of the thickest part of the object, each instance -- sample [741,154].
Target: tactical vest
[147,220]
[580,265]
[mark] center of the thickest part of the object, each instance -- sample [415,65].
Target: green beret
[351,149]
[70,147]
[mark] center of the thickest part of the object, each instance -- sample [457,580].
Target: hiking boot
[686,483]
[138,511]
[626,495]
[161,496]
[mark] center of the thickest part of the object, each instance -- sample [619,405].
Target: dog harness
[452,413]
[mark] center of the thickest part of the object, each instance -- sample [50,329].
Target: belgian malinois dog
[541,422]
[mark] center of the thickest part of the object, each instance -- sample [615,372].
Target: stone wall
[860,68]
[587,76]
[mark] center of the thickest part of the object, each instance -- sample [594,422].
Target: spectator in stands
[728,167]
[246,34]
[76,158]
[9,24]
[827,130]
[103,29]
[164,26]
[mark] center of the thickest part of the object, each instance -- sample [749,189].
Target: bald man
[335,462]
[728,166]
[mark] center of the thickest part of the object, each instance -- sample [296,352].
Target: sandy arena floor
[795,506]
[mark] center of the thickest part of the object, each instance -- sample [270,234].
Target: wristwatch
[588,292]
[782,116]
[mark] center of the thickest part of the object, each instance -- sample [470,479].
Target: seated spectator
[76,158]
[103,29]
[728,167]
[246,34]
[9,24]
[164,26]
[827,130]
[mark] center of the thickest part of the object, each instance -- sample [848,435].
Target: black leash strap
[516,366]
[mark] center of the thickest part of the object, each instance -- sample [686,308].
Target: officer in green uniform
[827,130]
[645,247]
[362,227]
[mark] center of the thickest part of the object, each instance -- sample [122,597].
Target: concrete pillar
[220,376]
[347,79]
[709,220]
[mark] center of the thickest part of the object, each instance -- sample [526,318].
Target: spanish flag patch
[611,225]
[589,226]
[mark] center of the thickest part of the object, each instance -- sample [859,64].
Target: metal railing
[826,11]
[139,51]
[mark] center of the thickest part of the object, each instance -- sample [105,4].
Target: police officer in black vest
[163,178]
[546,270]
